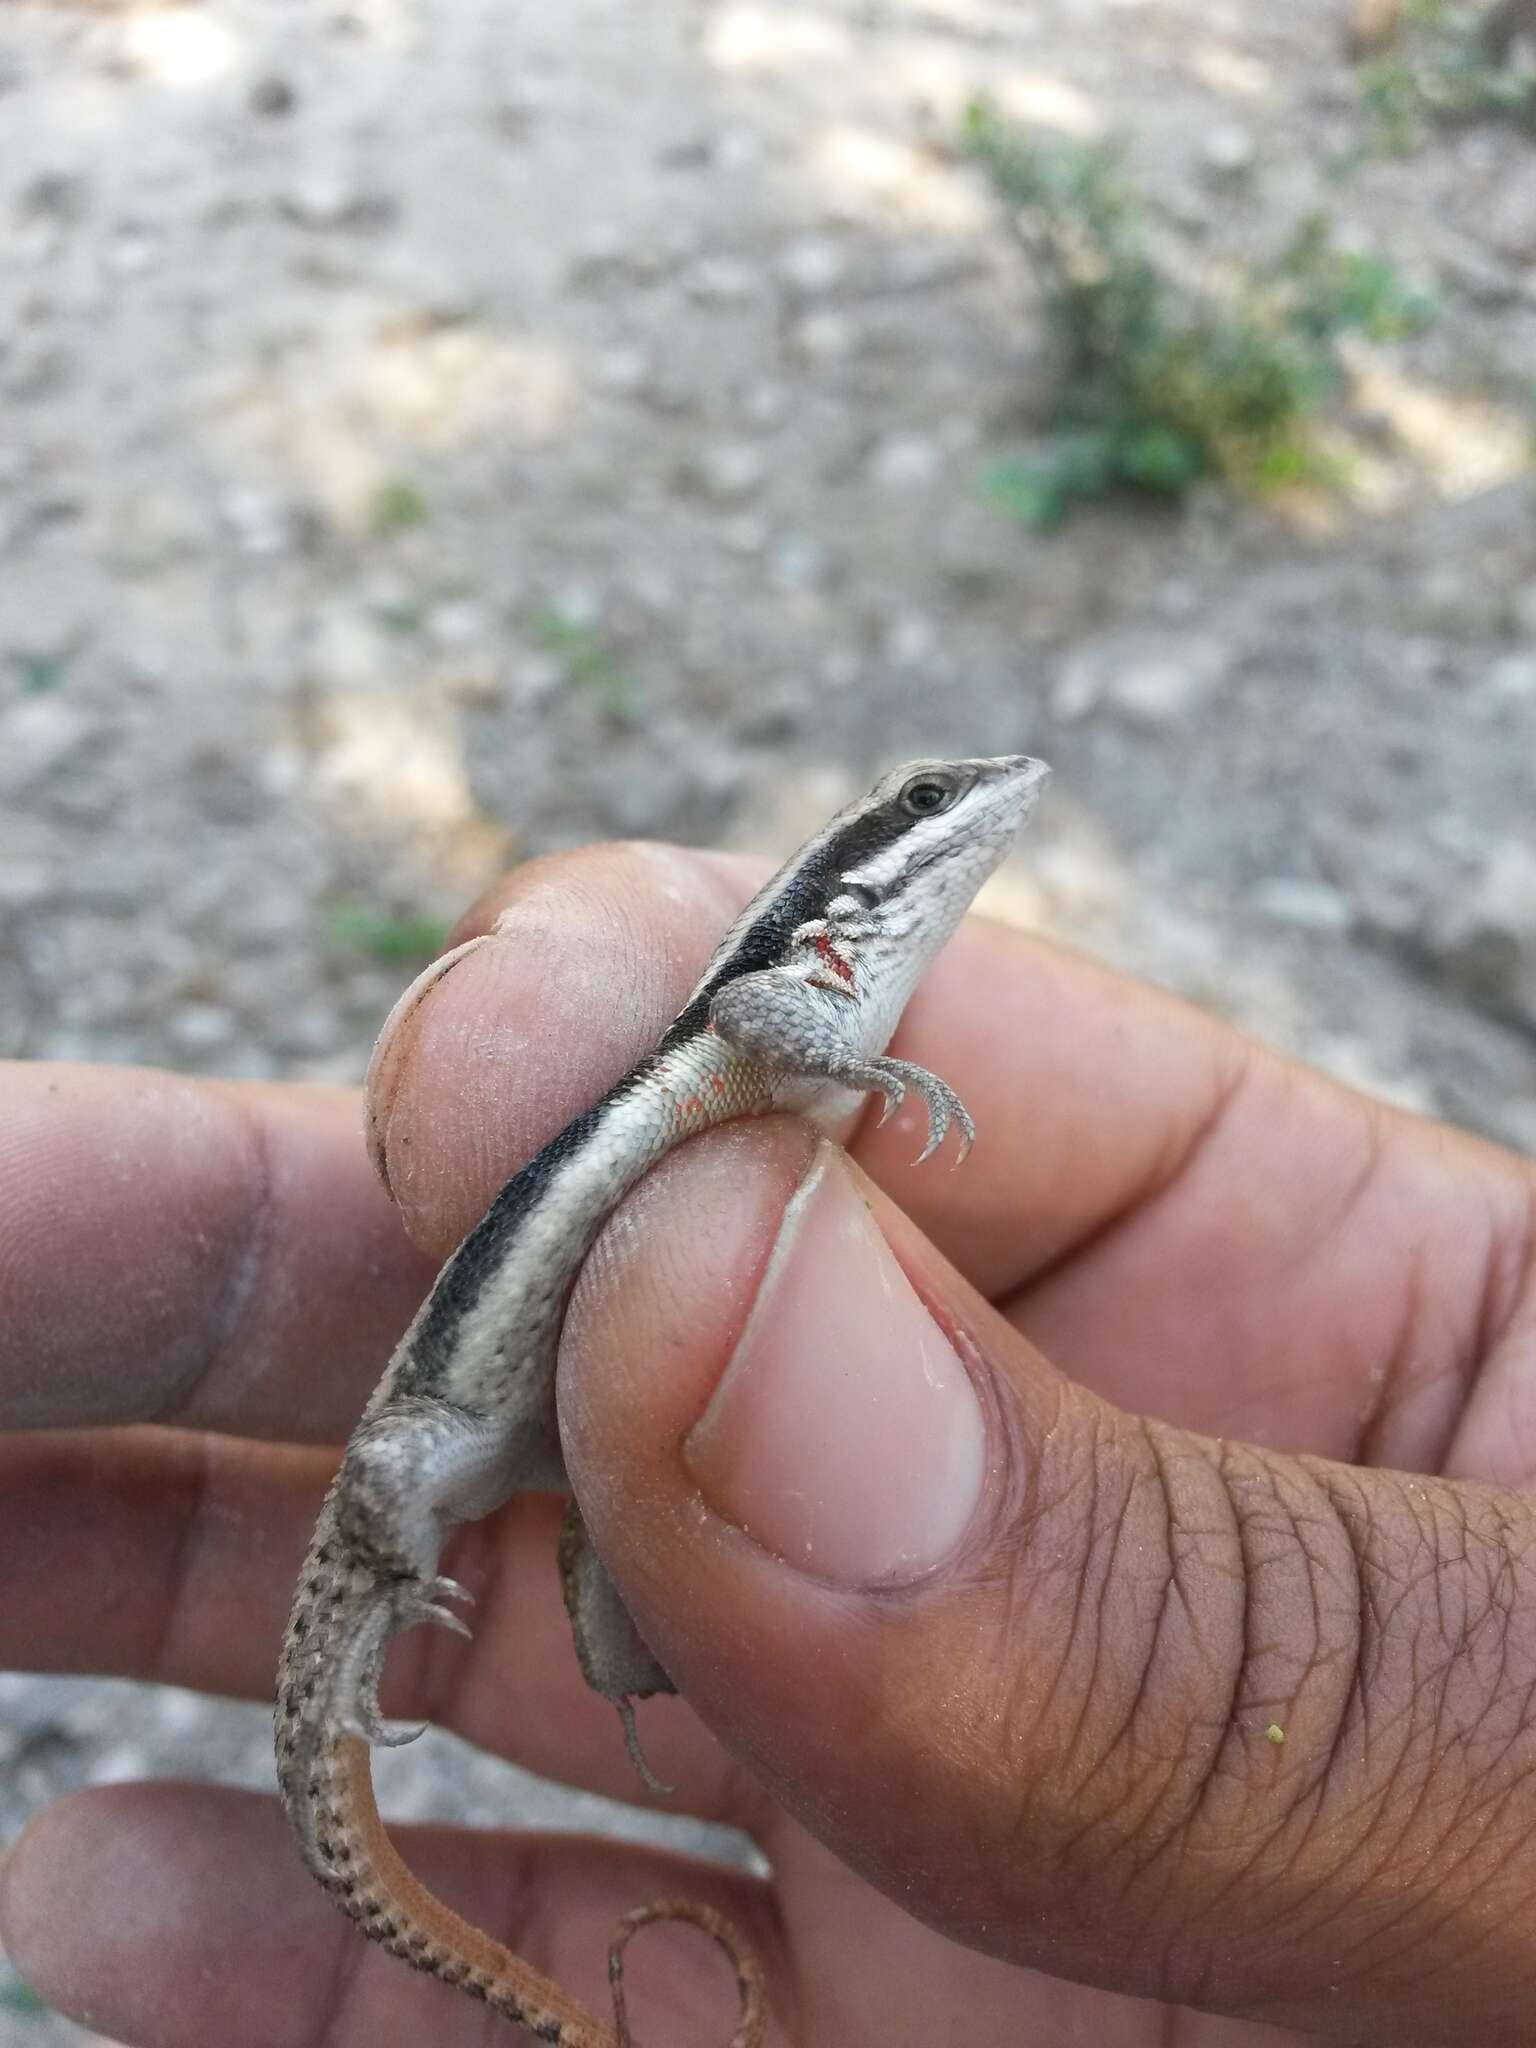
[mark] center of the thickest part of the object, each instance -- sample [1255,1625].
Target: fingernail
[845,1435]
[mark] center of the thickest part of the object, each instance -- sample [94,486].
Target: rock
[812,265]
[721,281]
[1372,26]
[202,1027]
[1227,154]
[1153,681]
[476,684]
[1512,678]
[60,196]
[825,336]
[841,669]
[798,562]
[458,622]
[621,371]
[979,555]
[326,198]
[905,462]
[744,535]
[149,532]
[1508,223]
[687,153]
[1311,906]
[1486,941]
[602,260]
[669,393]
[272,95]
[260,522]
[37,736]
[765,404]
[731,471]
[911,640]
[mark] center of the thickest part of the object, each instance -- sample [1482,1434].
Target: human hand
[1020,1671]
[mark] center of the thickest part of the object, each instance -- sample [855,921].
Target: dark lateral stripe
[463,1279]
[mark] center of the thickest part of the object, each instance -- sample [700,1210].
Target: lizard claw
[446,1618]
[894,1078]
[893,1095]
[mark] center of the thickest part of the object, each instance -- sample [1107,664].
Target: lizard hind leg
[615,1660]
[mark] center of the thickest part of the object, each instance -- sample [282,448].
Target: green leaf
[585,662]
[391,940]
[1030,492]
[396,505]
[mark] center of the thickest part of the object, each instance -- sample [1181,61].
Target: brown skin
[1073,1709]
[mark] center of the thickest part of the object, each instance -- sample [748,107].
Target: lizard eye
[928,793]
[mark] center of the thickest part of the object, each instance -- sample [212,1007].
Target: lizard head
[920,845]
[894,871]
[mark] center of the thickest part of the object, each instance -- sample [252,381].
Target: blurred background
[432,432]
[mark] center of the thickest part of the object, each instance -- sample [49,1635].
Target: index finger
[212,1254]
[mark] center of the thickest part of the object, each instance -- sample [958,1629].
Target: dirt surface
[433,434]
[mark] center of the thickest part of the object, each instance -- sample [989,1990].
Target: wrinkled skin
[1052,1752]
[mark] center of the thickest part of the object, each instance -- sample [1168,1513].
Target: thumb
[1172,1716]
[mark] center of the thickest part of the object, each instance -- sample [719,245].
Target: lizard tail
[327,1789]
[370,1880]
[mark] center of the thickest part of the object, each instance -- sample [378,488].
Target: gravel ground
[436,434]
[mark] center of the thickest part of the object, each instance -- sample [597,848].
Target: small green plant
[37,673]
[403,616]
[1443,67]
[585,662]
[17,1996]
[391,940]
[1159,385]
[396,505]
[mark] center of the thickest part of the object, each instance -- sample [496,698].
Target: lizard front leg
[818,1035]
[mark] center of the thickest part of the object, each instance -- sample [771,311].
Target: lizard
[793,1012]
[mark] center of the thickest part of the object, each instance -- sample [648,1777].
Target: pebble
[202,1027]
[1508,223]
[1153,683]
[905,462]
[911,640]
[1311,906]
[744,535]
[327,198]
[765,403]
[731,471]
[260,521]
[1228,154]
[841,669]
[721,281]
[56,196]
[37,736]
[1486,939]
[621,371]
[272,95]
[1511,678]
[825,336]
[812,265]
[798,562]
[458,622]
